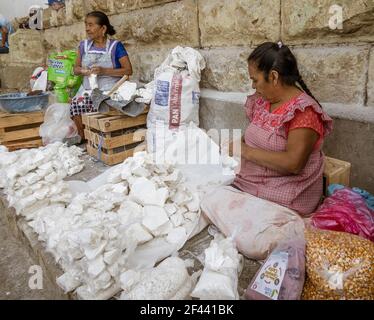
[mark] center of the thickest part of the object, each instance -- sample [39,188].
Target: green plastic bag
[61,73]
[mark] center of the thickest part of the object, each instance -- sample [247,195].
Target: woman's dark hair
[278,57]
[103,20]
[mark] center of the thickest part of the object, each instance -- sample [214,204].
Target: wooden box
[20,130]
[113,138]
[336,171]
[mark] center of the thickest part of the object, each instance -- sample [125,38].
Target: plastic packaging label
[162,93]
[270,278]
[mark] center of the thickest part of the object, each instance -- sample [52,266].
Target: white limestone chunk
[130,211]
[170,208]
[182,210]
[114,270]
[32,178]
[177,219]
[68,282]
[110,257]
[52,177]
[140,171]
[129,279]
[93,252]
[194,204]
[138,232]
[163,230]
[145,192]
[96,266]
[190,215]
[102,281]
[177,236]
[154,217]
[120,188]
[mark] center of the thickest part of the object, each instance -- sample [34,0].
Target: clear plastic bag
[282,275]
[263,224]
[345,210]
[57,124]
[338,266]
[219,279]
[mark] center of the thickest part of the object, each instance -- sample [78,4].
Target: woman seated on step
[281,151]
[99,55]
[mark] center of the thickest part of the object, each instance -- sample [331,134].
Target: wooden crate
[20,130]
[112,139]
[336,171]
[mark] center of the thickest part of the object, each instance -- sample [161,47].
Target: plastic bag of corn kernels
[282,275]
[338,266]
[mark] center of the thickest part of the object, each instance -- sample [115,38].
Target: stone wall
[337,65]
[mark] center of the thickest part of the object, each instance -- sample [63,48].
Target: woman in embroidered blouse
[281,155]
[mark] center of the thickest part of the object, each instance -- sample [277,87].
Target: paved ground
[14,266]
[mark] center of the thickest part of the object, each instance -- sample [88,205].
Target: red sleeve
[307,119]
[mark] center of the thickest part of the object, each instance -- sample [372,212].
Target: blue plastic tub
[20,102]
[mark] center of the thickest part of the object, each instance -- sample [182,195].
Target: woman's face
[263,88]
[93,29]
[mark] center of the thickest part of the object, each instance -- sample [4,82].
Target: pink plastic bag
[345,211]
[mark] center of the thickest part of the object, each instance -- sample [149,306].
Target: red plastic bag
[345,211]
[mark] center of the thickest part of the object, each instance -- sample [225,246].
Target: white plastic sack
[181,56]
[39,79]
[57,124]
[262,224]
[176,90]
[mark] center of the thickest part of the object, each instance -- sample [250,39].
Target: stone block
[4,60]
[370,87]
[219,113]
[307,21]
[335,74]
[47,14]
[75,11]
[58,17]
[106,6]
[226,69]
[166,25]
[26,47]
[64,38]
[16,77]
[111,7]
[129,5]
[145,62]
[238,22]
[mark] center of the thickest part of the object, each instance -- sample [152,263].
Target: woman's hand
[97,70]
[84,71]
